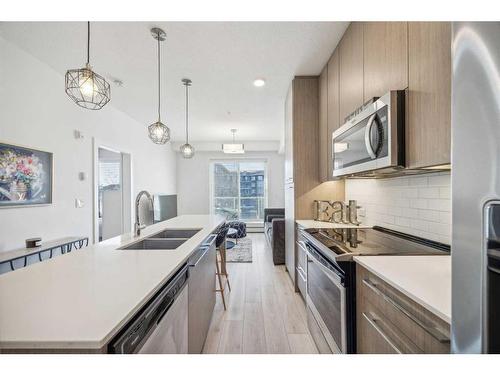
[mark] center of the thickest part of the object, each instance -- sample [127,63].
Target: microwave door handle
[368,141]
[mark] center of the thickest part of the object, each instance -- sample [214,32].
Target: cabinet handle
[432,330]
[373,322]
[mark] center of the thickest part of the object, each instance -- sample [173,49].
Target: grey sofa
[274,229]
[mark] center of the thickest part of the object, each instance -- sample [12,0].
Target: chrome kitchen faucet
[138,226]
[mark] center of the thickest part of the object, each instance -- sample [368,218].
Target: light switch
[82,176]
[79,203]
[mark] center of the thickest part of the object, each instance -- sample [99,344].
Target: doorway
[112,192]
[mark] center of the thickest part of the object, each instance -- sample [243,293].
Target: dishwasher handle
[195,259]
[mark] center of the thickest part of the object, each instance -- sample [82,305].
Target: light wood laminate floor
[264,314]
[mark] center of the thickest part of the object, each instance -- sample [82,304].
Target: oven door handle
[368,142]
[336,279]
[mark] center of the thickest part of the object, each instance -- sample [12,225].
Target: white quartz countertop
[81,299]
[424,279]
[309,224]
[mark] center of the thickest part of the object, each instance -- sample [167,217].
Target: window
[239,189]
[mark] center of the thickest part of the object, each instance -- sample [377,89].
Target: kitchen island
[79,301]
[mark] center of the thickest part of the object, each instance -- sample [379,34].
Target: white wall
[35,112]
[418,205]
[193,180]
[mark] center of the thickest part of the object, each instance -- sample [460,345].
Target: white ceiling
[221,58]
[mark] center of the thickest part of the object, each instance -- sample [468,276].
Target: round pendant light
[159,133]
[85,87]
[187,151]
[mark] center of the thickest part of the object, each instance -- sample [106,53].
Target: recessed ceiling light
[259,82]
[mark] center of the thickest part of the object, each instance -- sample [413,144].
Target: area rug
[241,252]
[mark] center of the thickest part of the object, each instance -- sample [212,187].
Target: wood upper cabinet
[351,70]
[333,106]
[385,56]
[305,134]
[428,121]
[323,125]
[289,137]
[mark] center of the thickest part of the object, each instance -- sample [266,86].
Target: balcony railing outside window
[239,190]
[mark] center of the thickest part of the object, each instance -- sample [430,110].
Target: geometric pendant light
[159,133]
[85,87]
[187,151]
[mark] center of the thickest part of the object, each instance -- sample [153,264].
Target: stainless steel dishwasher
[161,326]
[201,295]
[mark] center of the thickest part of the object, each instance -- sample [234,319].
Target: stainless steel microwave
[373,140]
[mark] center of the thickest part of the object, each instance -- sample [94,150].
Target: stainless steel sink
[156,244]
[176,233]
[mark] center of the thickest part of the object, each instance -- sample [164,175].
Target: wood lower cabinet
[389,322]
[428,121]
[351,70]
[385,57]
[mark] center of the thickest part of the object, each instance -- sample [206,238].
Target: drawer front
[317,335]
[377,335]
[302,282]
[421,327]
[301,257]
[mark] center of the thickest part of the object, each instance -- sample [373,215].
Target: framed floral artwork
[26,176]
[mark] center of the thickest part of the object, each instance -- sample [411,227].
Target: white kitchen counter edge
[364,261]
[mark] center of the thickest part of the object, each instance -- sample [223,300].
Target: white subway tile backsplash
[418,205]
[442,179]
[402,221]
[409,212]
[428,192]
[409,193]
[445,193]
[440,204]
[418,181]
[429,215]
[419,224]
[445,217]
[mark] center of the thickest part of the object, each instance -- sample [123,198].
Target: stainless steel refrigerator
[476,187]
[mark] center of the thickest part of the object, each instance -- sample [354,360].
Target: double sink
[169,239]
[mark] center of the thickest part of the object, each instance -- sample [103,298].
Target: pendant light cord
[88,42]
[159,80]
[187,112]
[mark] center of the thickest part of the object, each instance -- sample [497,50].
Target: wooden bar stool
[220,262]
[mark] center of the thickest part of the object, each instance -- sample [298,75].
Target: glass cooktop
[375,241]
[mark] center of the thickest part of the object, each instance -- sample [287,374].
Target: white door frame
[127,183]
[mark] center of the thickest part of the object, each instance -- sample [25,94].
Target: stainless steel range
[331,277]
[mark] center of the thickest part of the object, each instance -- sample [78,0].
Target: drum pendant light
[159,133]
[186,149]
[85,87]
